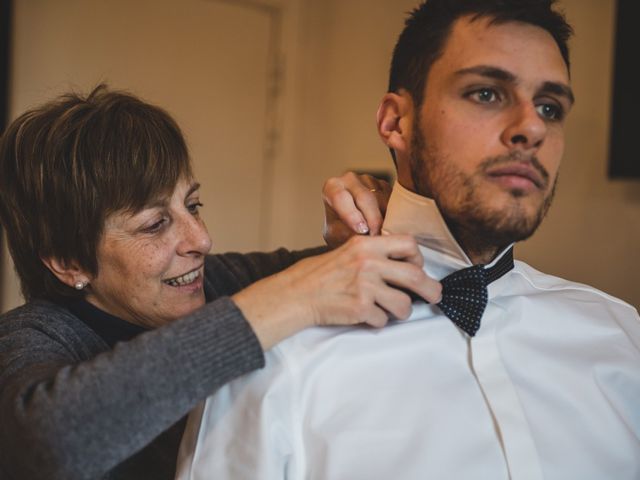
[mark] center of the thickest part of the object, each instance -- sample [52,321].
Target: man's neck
[473,244]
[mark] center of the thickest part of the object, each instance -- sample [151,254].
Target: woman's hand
[353,204]
[356,283]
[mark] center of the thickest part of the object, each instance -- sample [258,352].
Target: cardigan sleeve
[70,408]
[68,414]
[229,273]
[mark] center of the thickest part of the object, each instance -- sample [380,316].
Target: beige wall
[592,234]
[220,95]
[337,60]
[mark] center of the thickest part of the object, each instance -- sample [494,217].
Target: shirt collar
[411,214]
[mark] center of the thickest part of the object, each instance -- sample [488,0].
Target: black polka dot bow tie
[464,293]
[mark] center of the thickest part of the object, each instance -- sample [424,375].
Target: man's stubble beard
[480,231]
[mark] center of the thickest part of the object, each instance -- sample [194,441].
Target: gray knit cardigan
[71,408]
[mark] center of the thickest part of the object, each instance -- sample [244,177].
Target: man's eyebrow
[487,71]
[499,74]
[559,89]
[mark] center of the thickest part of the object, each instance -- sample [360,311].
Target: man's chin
[500,224]
[512,202]
[516,223]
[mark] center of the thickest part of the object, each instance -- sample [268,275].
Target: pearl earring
[80,284]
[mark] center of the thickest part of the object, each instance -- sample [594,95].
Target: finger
[343,204]
[394,301]
[410,277]
[399,247]
[381,189]
[367,201]
[396,260]
[371,196]
[376,317]
[430,290]
[363,212]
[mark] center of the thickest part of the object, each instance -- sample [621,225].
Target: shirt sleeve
[244,431]
[69,412]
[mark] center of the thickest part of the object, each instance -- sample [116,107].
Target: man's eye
[194,207]
[485,95]
[550,111]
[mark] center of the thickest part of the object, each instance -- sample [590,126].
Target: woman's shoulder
[37,320]
[36,312]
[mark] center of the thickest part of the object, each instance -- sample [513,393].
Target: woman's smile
[186,279]
[152,277]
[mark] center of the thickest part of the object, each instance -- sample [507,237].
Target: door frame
[6,17]
[278,180]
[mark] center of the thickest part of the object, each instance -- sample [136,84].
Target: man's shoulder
[554,285]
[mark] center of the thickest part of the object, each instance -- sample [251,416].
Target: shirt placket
[512,428]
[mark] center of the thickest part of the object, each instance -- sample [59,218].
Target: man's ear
[68,273]
[394,120]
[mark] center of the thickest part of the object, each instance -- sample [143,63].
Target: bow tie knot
[465,295]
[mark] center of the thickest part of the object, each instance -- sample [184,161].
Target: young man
[542,383]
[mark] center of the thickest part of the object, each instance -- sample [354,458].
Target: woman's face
[151,263]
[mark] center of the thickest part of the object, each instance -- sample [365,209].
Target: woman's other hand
[353,204]
[357,283]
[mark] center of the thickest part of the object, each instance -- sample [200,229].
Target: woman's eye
[485,95]
[194,207]
[157,226]
[550,111]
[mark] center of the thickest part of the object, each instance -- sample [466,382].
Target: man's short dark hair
[65,166]
[428,27]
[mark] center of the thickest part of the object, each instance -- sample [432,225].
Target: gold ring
[373,190]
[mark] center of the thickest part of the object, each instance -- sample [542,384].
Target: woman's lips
[191,280]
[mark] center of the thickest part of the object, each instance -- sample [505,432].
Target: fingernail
[362,228]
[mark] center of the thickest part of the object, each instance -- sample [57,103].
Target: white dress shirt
[549,388]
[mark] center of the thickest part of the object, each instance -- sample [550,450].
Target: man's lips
[520,171]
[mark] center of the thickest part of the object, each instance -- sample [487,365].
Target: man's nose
[194,238]
[526,130]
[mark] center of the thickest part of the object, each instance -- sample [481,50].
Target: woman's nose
[194,237]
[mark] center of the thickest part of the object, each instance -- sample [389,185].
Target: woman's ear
[68,273]
[394,120]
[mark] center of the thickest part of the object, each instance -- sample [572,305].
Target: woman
[128,321]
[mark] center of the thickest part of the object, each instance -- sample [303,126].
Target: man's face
[487,141]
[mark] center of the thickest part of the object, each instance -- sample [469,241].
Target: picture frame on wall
[624,161]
